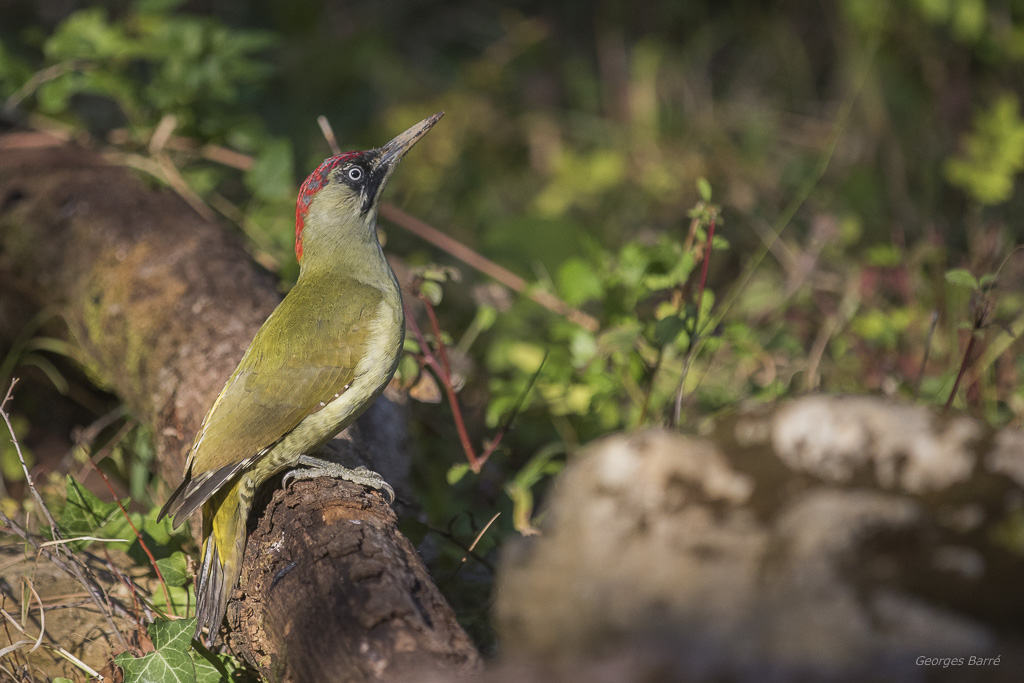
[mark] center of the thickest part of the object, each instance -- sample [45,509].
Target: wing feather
[297,362]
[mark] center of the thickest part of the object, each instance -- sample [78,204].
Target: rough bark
[162,304]
[387,616]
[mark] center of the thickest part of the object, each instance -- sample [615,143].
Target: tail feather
[195,491]
[224,518]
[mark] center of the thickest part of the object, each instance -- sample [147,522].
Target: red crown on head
[313,184]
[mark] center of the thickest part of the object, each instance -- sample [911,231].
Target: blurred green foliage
[858,152]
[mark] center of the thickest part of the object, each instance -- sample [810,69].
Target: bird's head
[338,201]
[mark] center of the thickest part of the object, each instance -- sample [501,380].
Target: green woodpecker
[320,359]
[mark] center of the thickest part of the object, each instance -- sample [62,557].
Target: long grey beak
[390,154]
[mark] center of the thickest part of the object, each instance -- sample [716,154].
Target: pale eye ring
[355,173]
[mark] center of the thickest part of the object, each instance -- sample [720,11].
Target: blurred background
[858,159]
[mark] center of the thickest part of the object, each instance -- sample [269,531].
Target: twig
[42,617]
[40,77]
[21,458]
[704,267]
[56,648]
[442,351]
[81,538]
[927,352]
[438,363]
[480,536]
[446,383]
[477,261]
[84,440]
[325,128]
[506,424]
[963,369]
[677,406]
[72,566]
[811,182]
[145,548]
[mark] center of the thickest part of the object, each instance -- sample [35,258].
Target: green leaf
[174,569]
[961,278]
[520,489]
[181,598]
[884,256]
[170,663]
[993,153]
[704,189]
[271,174]
[578,282]
[86,515]
[667,329]
[486,316]
[212,668]
[432,291]
[456,473]
[157,6]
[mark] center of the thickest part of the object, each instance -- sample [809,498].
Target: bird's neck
[346,251]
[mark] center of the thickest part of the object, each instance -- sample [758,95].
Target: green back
[303,355]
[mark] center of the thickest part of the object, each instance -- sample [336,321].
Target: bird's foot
[314,468]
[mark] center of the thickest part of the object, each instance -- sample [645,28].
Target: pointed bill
[391,153]
[388,156]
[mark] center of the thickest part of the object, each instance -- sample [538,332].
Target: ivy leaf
[174,569]
[212,668]
[170,662]
[86,515]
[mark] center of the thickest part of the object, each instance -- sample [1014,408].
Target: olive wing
[300,359]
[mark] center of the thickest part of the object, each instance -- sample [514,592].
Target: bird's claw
[314,468]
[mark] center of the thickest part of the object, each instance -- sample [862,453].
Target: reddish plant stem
[677,407]
[442,351]
[145,548]
[445,378]
[960,375]
[704,268]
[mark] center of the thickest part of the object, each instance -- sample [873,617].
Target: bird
[318,361]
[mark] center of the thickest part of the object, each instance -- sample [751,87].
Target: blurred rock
[822,539]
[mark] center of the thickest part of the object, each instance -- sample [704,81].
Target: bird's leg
[314,468]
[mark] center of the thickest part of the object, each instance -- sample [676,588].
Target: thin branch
[142,542]
[506,424]
[927,352]
[42,617]
[963,370]
[72,565]
[442,350]
[21,458]
[325,128]
[56,648]
[677,406]
[480,535]
[40,77]
[477,261]
[449,390]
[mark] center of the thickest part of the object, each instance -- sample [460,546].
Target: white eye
[355,173]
